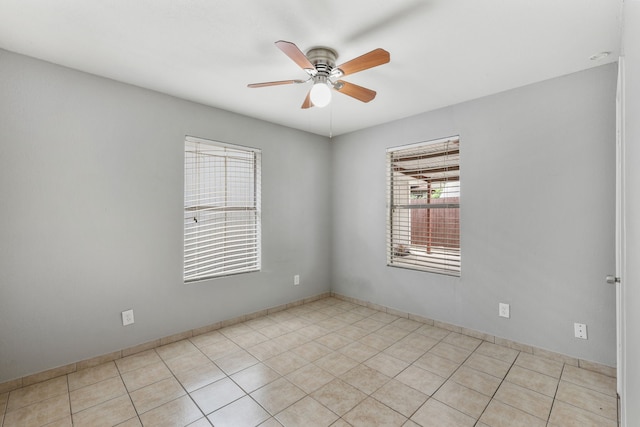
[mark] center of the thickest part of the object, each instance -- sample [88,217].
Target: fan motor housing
[323,58]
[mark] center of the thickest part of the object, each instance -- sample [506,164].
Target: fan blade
[307,101]
[358,92]
[281,82]
[368,60]
[292,51]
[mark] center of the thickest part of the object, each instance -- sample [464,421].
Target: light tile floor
[327,363]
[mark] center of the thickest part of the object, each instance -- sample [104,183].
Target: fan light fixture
[320,93]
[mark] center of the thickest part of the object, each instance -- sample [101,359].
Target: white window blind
[221,209]
[423,198]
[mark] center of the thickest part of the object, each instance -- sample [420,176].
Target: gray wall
[537,215]
[631,276]
[91,180]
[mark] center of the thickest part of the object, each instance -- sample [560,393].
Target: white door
[618,279]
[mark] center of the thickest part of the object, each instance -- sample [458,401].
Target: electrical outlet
[296,279]
[503,310]
[127,317]
[580,330]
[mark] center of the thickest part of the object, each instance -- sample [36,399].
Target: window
[423,217]
[221,209]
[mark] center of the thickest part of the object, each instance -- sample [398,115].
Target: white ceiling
[442,51]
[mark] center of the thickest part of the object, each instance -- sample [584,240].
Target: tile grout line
[6,409]
[227,376]
[617,420]
[3,418]
[69,396]
[446,379]
[329,332]
[407,367]
[460,366]
[368,395]
[553,402]
[173,375]
[504,378]
[128,393]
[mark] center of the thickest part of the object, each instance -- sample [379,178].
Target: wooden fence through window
[438,227]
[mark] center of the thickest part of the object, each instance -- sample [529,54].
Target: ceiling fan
[320,64]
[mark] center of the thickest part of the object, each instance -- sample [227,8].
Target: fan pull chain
[331,121]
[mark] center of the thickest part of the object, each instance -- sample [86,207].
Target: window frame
[408,168]
[222,192]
